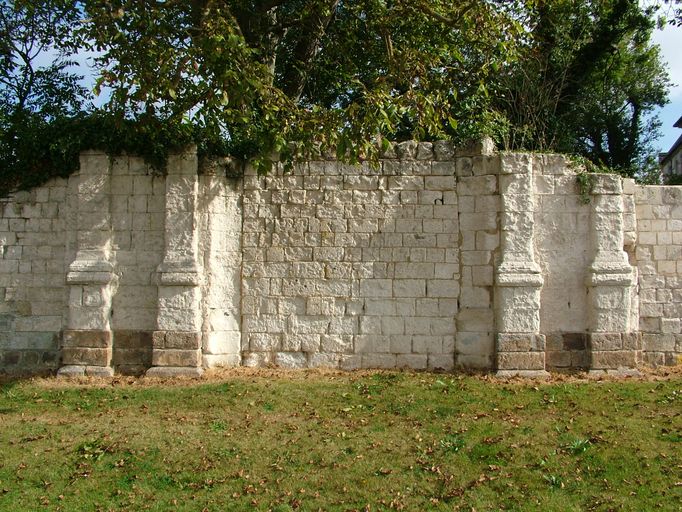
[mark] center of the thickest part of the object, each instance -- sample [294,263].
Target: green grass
[309,441]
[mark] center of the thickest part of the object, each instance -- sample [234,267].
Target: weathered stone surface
[520,342]
[605,341]
[84,339]
[176,357]
[86,356]
[133,339]
[521,361]
[574,341]
[613,359]
[420,261]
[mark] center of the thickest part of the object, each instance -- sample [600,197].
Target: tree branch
[312,30]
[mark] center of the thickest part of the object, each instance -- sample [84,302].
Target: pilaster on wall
[176,344]
[477,170]
[220,250]
[520,348]
[87,339]
[613,342]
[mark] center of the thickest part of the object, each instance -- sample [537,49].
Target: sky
[670,41]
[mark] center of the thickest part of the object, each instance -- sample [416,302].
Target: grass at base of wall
[341,441]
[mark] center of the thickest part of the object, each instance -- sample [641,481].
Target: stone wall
[352,266]
[33,246]
[437,257]
[659,260]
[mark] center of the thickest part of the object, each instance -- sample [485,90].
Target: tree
[587,83]
[34,98]
[258,77]
[278,75]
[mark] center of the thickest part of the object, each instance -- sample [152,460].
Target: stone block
[670,325]
[443,150]
[515,163]
[607,184]
[182,340]
[654,358]
[365,343]
[632,340]
[442,362]
[426,344]
[86,356]
[133,339]
[580,359]
[475,343]
[475,320]
[221,360]
[574,341]
[610,320]
[376,287]
[336,343]
[442,288]
[607,360]
[474,361]
[481,221]
[424,151]
[222,342]
[477,185]
[518,320]
[412,361]
[658,342]
[350,362]
[409,288]
[526,342]
[605,341]
[521,361]
[174,357]
[172,372]
[10,357]
[475,297]
[257,359]
[382,361]
[86,339]
[264,342]
[406,150]
[293,360]
[560,359]
[324,360]
[135,357]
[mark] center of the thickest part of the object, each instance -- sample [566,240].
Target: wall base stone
[221,360]
[71,370]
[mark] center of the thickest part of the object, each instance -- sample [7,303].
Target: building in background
[671,162]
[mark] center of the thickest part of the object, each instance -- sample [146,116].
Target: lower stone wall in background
[659,260]
[438,257]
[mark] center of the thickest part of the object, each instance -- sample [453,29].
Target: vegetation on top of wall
[252,79]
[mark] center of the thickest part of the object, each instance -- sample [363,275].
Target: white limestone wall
[137,215]
[563,251]
[33,250]
[478,252]
[220,204]
[659,260]
[352,266]
[438,257]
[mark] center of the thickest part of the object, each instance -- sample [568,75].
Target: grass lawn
[267,440]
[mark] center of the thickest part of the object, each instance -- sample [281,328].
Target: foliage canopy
[258,77]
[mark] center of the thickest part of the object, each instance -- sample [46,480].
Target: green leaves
[255,79]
